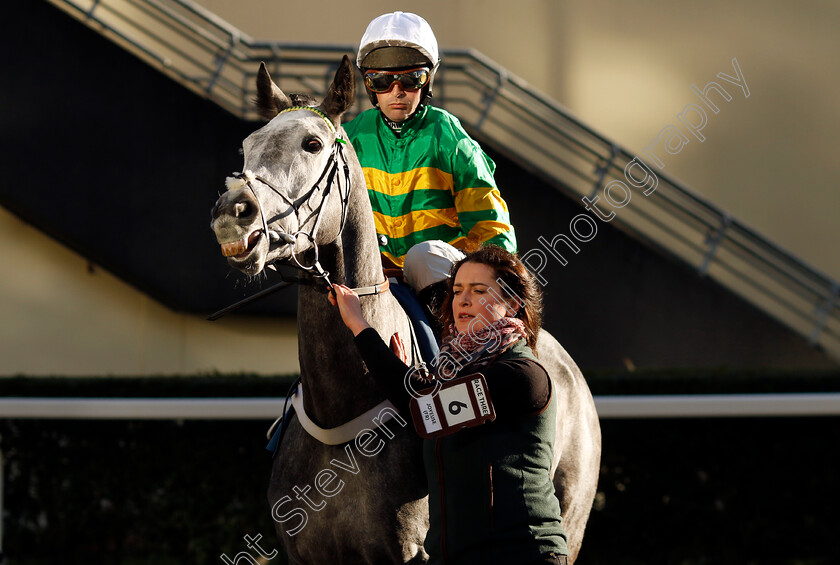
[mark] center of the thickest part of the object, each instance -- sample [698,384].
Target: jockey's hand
[349,307]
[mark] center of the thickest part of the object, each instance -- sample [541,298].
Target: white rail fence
[609,407]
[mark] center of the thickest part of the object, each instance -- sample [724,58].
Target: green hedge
[692,492]
[212,386]
[117,492]
[660,381]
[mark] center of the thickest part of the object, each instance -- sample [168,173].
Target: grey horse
[301,199]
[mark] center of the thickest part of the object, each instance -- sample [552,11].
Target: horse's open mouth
[240,249]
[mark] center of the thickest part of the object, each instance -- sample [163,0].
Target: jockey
[427,179]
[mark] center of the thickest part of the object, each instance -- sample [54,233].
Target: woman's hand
[349,307]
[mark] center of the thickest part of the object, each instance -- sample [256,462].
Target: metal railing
[219,62]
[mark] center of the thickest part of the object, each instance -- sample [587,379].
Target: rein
[330,173]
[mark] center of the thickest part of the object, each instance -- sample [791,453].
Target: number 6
[455,407]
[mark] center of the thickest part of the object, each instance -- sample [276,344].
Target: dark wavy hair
[516,281]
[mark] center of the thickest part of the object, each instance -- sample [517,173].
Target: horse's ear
[342,92]
[270,99]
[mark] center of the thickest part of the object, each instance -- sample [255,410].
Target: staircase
[219,62]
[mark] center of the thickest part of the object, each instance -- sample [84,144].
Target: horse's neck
[332,373]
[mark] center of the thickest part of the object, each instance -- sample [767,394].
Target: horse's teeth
[234,248]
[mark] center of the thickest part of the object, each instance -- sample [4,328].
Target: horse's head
[291,194]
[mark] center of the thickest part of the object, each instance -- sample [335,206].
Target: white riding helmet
[399,40]
[430,262]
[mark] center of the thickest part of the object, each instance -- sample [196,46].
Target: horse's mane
[302,99]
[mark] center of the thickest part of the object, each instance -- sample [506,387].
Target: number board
[460,403]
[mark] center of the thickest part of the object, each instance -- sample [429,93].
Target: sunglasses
[381,81]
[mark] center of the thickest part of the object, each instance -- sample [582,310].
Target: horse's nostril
[237,205]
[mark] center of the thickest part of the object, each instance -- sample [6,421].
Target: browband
[311,109]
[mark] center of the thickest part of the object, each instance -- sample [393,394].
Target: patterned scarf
[477,349]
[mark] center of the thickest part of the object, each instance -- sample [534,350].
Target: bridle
[329,177]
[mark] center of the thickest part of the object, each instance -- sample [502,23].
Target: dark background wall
[116,160]
[122,164]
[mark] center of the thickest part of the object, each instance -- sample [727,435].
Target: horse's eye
[312,145]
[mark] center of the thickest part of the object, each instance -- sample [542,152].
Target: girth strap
[346,432]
